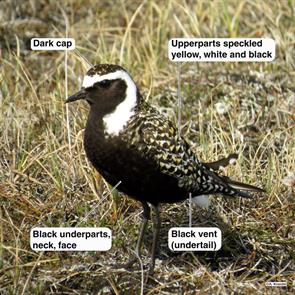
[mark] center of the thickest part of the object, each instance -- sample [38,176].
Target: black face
[104,96]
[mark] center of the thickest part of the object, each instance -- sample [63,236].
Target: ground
[244,108]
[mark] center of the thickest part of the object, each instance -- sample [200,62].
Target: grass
[46,181]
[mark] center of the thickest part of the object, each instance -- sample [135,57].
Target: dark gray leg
[145,218]
[156,231]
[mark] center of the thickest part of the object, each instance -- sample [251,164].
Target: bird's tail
[241,187]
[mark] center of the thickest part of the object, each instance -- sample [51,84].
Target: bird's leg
[145,219]
[146,214]
[156,231]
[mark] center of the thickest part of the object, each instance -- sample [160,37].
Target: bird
[139,150]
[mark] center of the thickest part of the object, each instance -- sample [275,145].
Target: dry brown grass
[46,182]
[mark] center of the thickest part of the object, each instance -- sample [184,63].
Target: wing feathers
[222,163]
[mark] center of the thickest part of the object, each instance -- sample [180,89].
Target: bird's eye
[105,83]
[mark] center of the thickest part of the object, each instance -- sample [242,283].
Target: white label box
[70,239]
[194,238]
[221,49]
[52,44]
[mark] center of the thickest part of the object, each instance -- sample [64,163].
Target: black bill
[79,95]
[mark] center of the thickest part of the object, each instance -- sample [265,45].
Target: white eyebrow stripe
[89,81]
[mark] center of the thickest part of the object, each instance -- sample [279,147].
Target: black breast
[117,161]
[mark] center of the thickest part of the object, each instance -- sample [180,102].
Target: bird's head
[105,87]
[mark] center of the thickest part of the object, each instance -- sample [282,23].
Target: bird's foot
[151,270]
[126,265]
